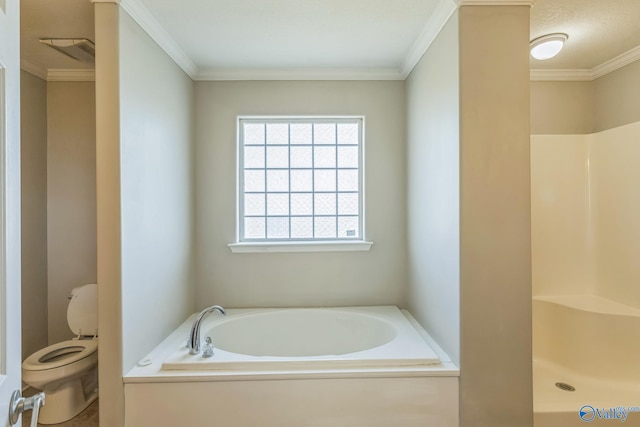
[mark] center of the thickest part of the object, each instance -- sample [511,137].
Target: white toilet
[68,371]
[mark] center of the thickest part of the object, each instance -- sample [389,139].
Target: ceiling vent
[78,49]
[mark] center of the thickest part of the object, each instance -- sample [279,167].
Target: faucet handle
[208,348]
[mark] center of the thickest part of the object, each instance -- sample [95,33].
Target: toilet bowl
[68,371]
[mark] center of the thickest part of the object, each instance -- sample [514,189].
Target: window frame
[266,244]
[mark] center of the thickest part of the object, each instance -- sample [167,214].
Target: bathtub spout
[193,343]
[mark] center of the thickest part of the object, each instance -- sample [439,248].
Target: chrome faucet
[193,343]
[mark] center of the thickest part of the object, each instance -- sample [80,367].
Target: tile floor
[87,418]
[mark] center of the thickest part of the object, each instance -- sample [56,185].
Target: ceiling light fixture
[548,46]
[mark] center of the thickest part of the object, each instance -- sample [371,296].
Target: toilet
[68,371]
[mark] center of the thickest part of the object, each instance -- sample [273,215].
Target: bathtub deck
[409,396]
[150,369]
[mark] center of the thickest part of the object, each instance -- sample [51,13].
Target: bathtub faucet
[193,343]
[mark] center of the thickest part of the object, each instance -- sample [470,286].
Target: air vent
[565,387]
[78,49]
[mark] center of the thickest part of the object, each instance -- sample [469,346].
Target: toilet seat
[60,354]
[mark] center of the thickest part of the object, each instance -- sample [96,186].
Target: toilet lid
[82,312]
[60,354]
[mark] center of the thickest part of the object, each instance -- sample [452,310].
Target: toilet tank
[82,312]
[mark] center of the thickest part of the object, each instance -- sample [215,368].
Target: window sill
[334,246]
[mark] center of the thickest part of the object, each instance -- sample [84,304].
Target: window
[300,179]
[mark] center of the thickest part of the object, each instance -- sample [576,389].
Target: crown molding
[58,75]
[151,26]
[443,11]
[588,75]
[34,69]
[230,74]
[616,63]
[71,75]
[561,75]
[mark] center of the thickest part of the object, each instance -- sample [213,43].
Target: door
[10,344]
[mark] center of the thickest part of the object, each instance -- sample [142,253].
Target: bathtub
[591,344]
[308,338]
[355,366]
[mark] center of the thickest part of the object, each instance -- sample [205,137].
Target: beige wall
[109,215]
[561,107]
[495,227]
[617,98]
[460,86]
[145,199]
[71,197]
[581,107]
[433,194]
[33,171]
[156,188]
[300,279]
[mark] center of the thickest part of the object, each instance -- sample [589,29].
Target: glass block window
[300,179]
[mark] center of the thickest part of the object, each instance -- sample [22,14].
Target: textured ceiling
[241,34]
[598,30]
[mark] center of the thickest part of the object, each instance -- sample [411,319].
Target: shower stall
[585,207]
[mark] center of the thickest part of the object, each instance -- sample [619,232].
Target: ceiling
[55,19]
[224,35]
[219,39]
[598,30]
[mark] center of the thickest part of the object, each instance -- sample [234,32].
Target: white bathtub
[308,338]
[591,344]
[347,367]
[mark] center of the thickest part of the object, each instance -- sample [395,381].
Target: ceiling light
[548,46]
